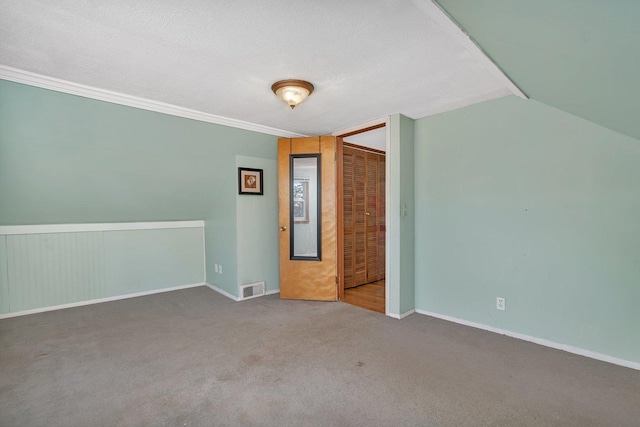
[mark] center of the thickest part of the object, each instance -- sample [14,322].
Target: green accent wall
[580,56]
[256,256]
[145,260]
[400,221]
[407,215]
[68,159]
[520,200]
[257,217]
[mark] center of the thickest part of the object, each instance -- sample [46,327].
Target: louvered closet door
[348,218]
[371,217]
[363,195]
[359,222]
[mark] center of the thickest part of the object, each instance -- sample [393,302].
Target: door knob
[366,213]
[283,228]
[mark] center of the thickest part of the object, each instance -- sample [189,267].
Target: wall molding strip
[64,86]
[222,291]
[451,27]
[98,301]
[228,295]
[79,228]
[401,316]
[540,341]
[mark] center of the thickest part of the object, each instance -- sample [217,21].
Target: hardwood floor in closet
[369,296]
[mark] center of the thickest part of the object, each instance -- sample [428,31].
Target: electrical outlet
[501,303]
[215,267]
[220,269]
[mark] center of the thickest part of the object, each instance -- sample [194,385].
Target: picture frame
[300,200]
[250,181]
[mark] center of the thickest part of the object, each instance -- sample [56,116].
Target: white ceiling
[367,59]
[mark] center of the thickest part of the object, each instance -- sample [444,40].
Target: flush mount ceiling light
[293,92]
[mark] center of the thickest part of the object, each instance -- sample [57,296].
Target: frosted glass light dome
[293,92]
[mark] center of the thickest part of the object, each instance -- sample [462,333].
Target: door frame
[376,124]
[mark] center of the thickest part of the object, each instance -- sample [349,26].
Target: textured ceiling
[367,59]
[580,56]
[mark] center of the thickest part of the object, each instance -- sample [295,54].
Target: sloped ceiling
[367,59]
[580,56]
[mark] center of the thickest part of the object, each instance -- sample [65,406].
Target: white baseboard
[403,315]
[223,292]
[231,296]
[97,301]
[540,341]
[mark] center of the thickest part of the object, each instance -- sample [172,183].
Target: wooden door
[354,222]
[306,273]
[363,216]
[382,218]
[371,217]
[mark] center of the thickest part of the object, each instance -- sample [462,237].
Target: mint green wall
[521,200]
[392,213]
[221,224]
[578,55]
[144,260]
[44,270]
[257,217]
[400,228]
[68,159]
[407,216]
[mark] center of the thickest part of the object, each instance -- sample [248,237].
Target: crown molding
[64,86]
[451,27]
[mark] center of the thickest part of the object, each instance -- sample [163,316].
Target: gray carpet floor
[196,358]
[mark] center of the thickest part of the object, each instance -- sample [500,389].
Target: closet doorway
[362,228]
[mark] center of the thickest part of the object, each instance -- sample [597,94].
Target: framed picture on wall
[250,181]
[300,200]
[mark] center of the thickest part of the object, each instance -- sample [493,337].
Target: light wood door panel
[348,220]
[359,220]
[304,279]
[371,217]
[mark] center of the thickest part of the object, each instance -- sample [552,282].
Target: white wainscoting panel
[58,269]
[54,269]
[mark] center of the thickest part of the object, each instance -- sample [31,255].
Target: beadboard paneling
[54,269]
[51,269]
